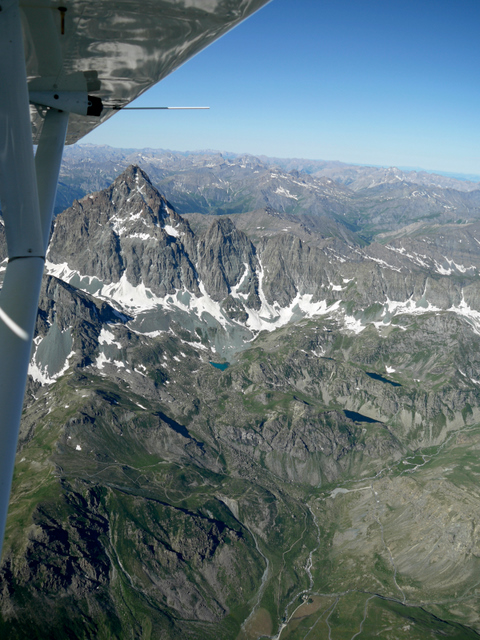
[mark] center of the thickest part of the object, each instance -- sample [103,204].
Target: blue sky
[370,82]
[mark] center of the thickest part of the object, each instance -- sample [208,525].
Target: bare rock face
[129,236]
[128,230]
[309,447]
[226,257]
[69,324]
[67,306]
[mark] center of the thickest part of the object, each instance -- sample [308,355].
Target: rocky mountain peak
[124,231]
[133,194]
[133,174]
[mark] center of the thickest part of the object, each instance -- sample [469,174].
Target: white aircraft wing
[114,50]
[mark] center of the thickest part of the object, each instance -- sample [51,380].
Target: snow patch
[129,295]
[470,314]
[102,360]
[382,263]
[452,267]
[142,236]
[61,271]
[41,375]
[171,230]
[195,345]
[107,337]
[271,316]
[285,192]
[352,324]
[235,288]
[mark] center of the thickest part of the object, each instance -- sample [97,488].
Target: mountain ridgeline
[320,479]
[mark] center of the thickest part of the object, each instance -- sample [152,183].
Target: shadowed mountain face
[321,484]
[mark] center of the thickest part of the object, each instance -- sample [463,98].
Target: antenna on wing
[117,108]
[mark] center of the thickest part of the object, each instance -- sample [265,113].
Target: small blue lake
[220,365]
[376,376]
[358,417]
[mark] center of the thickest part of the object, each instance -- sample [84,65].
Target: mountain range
[369,199]
[260,424]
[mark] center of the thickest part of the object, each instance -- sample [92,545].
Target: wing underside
[116,49]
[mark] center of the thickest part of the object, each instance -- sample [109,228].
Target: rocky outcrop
[227,258]
[68,327]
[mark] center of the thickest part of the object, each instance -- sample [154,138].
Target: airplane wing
[114,50]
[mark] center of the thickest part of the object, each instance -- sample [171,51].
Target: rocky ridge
[132,248]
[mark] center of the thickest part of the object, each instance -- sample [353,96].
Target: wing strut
[27,214]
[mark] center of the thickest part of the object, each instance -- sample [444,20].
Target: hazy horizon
[224,152]
[381,84]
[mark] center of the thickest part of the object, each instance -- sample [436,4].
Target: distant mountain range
[260,424]
[368,200]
